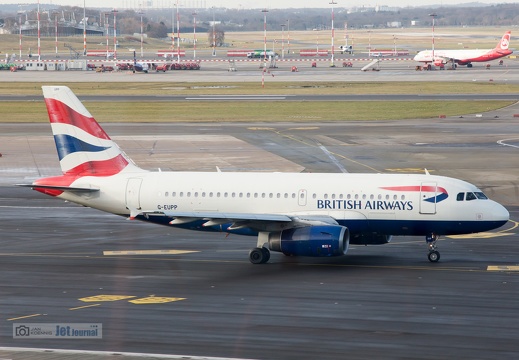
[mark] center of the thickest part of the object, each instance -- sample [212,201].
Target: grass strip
[276,88]
[251,111]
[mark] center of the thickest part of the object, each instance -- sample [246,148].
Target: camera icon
[22,330]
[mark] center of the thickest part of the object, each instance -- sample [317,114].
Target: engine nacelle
[370,239]
[327,240]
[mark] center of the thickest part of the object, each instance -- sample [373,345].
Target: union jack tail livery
[84,149]
[83,146]
[298,214]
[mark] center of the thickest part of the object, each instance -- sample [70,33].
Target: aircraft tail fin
[504,42]
[84,148]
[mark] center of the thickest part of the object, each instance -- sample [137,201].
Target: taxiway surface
[217,72]
[58,262]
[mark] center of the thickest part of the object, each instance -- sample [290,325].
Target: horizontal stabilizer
[61,188]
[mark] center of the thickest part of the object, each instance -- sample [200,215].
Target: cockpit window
[470,196]
[481,196]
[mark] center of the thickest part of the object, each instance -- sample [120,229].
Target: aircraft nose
[500,213]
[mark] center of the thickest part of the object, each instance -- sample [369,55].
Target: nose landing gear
[434,255]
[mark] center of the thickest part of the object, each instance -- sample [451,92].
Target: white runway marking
[503,142]
[51,354]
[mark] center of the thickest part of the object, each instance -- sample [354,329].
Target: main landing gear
[259,255]
[434,255]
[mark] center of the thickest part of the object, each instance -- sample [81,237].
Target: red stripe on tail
[61,113]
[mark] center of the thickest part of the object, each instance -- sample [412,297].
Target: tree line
[157,23]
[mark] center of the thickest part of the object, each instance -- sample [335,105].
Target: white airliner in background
[466,57]
[140,66]
[306,214]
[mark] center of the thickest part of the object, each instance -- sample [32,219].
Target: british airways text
[364,205]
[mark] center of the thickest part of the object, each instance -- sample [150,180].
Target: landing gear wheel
[434,256]
[266,254]
[259,255]
[431,239]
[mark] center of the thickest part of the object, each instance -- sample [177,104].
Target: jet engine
[438,62]
[327,240]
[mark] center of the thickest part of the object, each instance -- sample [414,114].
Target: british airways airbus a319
[298,214]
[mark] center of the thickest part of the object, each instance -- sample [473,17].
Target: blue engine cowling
[329,240]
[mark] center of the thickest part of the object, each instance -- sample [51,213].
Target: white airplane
[466,57]
[305,214]
[140,66]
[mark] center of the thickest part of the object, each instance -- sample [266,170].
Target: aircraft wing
[225,216]
[254,221]
[446,59]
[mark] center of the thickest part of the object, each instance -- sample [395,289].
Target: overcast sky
[254,4]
